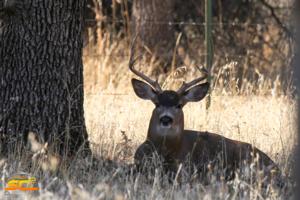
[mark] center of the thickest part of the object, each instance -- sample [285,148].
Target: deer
[168,138]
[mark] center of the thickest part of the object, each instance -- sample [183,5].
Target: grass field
[117,123]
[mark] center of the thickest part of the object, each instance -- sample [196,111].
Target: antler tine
[132,61]
[186,86]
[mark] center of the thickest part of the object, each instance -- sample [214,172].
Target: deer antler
[132,61]
[186,86]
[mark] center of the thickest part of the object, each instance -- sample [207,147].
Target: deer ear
[143,90]
[196,93]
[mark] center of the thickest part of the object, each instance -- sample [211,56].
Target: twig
[278,21]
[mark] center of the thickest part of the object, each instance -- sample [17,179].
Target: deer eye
[179,106]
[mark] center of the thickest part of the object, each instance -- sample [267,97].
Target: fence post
[208,34]
[208,44]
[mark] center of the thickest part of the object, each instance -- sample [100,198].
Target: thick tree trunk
[151,22]
[41,75]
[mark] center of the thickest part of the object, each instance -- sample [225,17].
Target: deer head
[167,120]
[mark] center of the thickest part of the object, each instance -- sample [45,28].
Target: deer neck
[165,141]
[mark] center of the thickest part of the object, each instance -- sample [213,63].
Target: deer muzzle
[166,121]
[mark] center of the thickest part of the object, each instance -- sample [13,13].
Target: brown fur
[204,149]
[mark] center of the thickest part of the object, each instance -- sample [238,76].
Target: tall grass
[117,123]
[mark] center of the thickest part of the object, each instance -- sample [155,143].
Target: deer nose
[166,121]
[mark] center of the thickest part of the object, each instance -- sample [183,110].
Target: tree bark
[150,20]
[41,75]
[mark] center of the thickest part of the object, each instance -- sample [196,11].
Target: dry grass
[266,122]
[117,123]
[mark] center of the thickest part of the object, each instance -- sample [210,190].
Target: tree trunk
[41,75]
[151,22]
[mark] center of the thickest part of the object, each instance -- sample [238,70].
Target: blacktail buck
[203,150]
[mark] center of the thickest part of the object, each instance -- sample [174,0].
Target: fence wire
[173,23]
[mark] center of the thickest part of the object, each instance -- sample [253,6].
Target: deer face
[167,117]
